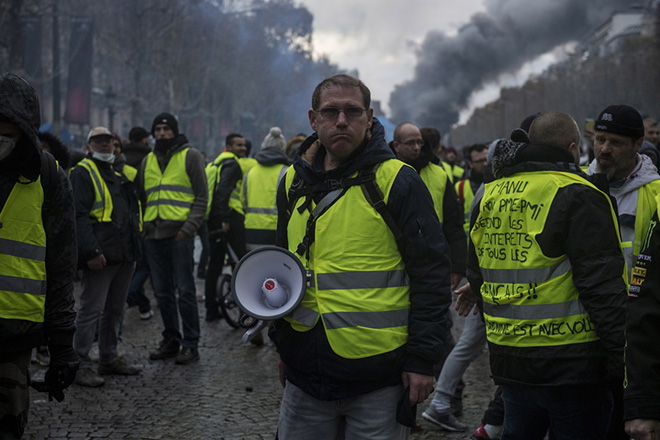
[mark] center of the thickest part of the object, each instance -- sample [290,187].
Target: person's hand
[225,226]
[420,385]
[455,279]
[58,377]
[281,367]
[643,429]
[97,263]
[466,300]
[182,236]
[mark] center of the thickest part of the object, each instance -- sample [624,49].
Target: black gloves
[63,367]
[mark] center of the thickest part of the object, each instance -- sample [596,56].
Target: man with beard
[634,180]
[174,195]
[466,188]
[371,323]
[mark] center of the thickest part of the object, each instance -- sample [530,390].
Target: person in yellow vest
[120,163]
[37,258]
[634,180]
[432,138]
[409,147]
[259,190]
[225,213]
[107,227]
[372,322]
[174,195]
[546,257]
[452,159]
[466,188]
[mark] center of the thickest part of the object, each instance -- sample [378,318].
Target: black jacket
[118,240]
[310,362]
[579,225]
[230,175]
[59,224]
[641,395]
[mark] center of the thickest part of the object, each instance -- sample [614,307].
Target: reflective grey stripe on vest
[245,185]
[178,203]
[271,211]
[525,276]
[535,311]
[305,316]
[176,188]
[362,280]
[22,285]
[97,181]
[386,319]
[22,250]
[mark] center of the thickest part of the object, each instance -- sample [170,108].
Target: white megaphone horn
[268,283]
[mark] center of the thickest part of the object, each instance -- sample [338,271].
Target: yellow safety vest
[101,210]
[360,289]
[646,206]
[130,172]
[259,197]
[457,171]
[169,194]
[23,254]
[529,298]
[247,163]
[435,179]
[465,195]
[448,171]
[213,174]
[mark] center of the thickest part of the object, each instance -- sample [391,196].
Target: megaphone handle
[251,333]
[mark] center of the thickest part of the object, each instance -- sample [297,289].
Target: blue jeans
[171,266]
[136,295]
[372,416]
[570,412]
[469,346]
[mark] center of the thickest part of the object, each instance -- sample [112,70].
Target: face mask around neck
[104,157]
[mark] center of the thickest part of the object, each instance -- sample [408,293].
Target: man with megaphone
[357,354]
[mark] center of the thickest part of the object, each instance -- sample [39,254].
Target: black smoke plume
[500,40]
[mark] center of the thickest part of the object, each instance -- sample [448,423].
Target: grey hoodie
[626,199]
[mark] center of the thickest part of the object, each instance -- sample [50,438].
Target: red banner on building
[79,90]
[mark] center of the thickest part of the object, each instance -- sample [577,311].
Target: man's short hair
[476,148]
[343,81]
[555,129]
[431,136]
[650,122]
[397,130]
[230,138]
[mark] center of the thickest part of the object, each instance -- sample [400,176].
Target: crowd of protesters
[546,236]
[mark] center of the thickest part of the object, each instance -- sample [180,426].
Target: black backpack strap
[375,197]
[48,173]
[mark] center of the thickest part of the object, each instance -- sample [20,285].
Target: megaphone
[268,283]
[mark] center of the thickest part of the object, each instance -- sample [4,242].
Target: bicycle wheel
[228,306]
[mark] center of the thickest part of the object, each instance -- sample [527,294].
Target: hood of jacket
[374,149]
[20,106]
[272,156]
[509,157]
[643,173]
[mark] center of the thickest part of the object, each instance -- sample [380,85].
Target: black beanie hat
[621,119]
[137,134]
[166,118]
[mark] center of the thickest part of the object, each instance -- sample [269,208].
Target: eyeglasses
[414,142]
[331,113]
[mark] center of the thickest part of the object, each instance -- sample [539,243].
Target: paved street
[231,393]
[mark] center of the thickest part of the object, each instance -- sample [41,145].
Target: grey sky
[378,37]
